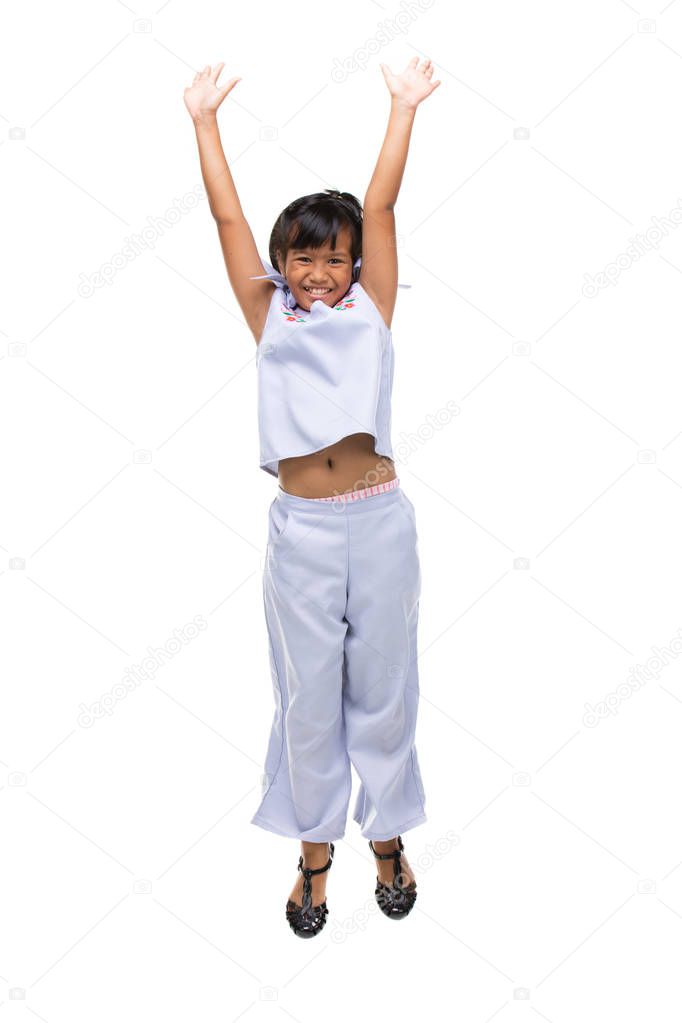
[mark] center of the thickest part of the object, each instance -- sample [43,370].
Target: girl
[342,579]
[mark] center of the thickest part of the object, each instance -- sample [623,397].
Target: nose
[317,275]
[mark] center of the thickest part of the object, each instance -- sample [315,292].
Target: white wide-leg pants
[341,589]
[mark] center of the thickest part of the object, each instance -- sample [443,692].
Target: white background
[133,885]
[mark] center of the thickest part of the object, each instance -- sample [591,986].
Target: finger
[216,71]
[413,62]
[386,70]
[228,88]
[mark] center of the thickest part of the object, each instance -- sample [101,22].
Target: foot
[385,867]
[315,854]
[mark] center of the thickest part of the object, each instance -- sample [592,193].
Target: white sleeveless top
[323,373]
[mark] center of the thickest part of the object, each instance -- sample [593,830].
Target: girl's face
[323,274]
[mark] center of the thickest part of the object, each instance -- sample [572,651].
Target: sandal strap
[308,873]
[389,855]
[395,855]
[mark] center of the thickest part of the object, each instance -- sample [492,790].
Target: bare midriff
[350,464]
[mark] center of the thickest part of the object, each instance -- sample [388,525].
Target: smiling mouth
[317,292]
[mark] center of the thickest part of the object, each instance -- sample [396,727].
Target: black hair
[309,221]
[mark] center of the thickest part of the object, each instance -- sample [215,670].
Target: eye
[334,259]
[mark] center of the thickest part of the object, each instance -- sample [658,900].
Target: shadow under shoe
[307,920]
[395,900]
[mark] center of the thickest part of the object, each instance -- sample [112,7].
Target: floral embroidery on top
[290,315]
[294,316]
[348,302]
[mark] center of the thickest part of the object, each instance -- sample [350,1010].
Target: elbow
[370,206]
[223,220]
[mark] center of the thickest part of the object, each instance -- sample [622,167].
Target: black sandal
[395,901]
[307,920]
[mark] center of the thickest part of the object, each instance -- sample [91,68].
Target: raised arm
[240,252]
[379,269]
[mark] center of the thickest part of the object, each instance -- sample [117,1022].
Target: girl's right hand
[203,97]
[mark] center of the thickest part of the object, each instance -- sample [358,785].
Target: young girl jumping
[342,579]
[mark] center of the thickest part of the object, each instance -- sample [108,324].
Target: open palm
[414,84]
[204,96]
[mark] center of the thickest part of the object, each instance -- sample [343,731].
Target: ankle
[315,854]
[390,845]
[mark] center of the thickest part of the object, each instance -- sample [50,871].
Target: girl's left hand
[413,85]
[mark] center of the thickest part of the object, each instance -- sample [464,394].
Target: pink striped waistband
[357,495]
